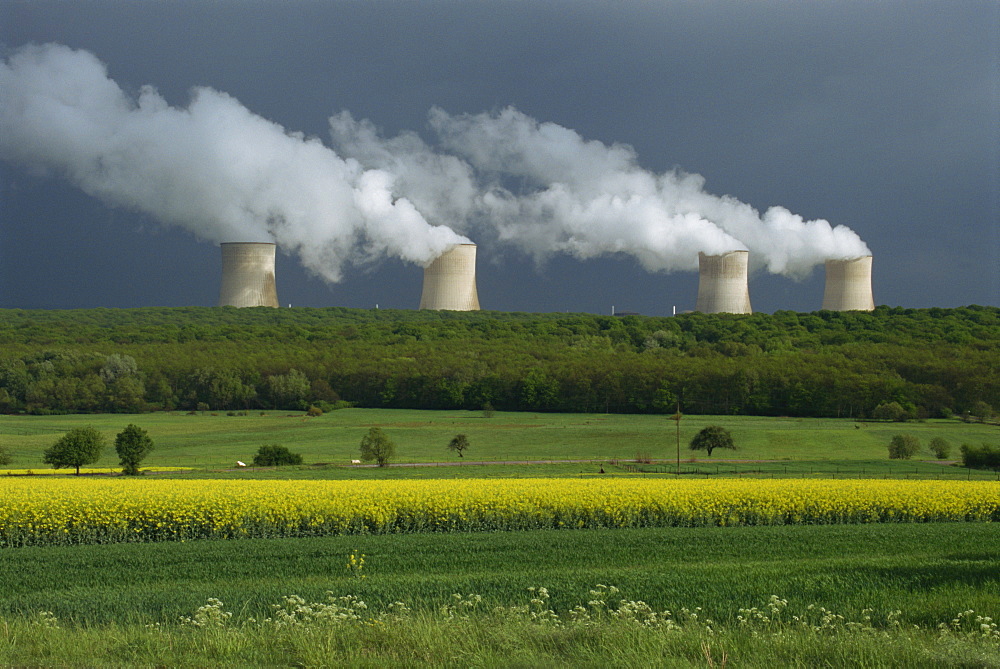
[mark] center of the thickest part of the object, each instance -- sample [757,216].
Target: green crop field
[95,604]
[878,592]
[927,570]
[218,441]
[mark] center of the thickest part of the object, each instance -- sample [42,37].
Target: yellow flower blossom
[40,511]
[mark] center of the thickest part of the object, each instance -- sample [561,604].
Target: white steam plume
[611,216]
[441,186]
[588,198]
[213,168]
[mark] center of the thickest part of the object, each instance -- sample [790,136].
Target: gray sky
[882,117]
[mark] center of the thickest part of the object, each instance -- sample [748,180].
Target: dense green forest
[933,362]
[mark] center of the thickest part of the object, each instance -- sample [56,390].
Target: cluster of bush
[896,412]
[981,457]
[275,455]
[905,446]
[376,447]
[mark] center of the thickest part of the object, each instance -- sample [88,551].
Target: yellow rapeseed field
[68,510]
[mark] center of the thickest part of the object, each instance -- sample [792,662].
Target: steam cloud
[225,174]
[588,198]
[214,168]
[582,197]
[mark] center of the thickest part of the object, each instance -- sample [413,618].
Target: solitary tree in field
[458,444]
[711,438]
[903,447]
[378,447]
[80,446]
[132,445]
[5,457]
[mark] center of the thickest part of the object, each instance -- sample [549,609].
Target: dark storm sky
[879,116]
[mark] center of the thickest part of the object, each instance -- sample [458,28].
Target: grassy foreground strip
[47,512]
[603,631]
[122,604]
[928,570]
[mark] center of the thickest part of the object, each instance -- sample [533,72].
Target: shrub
[5,457]
[275,455]
[903,447]
[327,407]
[980,457]
[940,448]
[314,411]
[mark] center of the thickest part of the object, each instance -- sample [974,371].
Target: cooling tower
[248,275]
[722,283]
[450,281]
[849,285]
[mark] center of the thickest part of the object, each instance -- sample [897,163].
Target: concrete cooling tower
[849,285]
[450,281]
[248,275]
[722,283]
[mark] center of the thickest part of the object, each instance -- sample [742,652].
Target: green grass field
[930,571]
[218,441]
[103,596]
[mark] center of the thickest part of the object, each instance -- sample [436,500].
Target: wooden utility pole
[677,419]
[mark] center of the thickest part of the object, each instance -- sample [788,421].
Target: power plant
[849,285]
[722,283]
[450,281]
[248,280]
[248,275]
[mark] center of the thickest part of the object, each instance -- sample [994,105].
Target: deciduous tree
[903,447]
[940,448]
[458,444]
[982,411]
[80,446]
[132,444]
[378,447]
[711,438]
[893,411]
